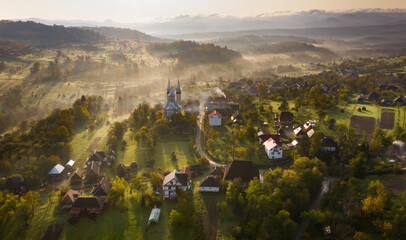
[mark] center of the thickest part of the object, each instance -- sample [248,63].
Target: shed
[57,170]
[70,163]
[154,217]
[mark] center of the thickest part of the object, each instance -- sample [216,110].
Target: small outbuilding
[56,172]
[210,184]
[69,198]
[154,216]
[15,184]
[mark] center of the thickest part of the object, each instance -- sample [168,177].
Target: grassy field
[181,145]
[85,142]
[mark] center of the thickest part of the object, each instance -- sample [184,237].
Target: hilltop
[125,33]
[42,35]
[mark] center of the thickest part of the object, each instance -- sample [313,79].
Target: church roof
[178,88]
[171,105]
[169,85]
[171,93]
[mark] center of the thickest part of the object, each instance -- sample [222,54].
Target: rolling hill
[125,33]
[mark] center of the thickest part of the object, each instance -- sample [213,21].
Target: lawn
[85,142]
[129,224]
[181,145]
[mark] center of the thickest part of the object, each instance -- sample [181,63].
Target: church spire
[168,89]
[178,89]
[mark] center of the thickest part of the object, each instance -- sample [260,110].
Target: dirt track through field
[387,120]
[363,124]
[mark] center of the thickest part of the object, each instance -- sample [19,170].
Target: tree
[174,218]
[35,68]
[116,195]
[321,114]
[27,206]
[284,106]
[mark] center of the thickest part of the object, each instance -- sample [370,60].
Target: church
[172,105]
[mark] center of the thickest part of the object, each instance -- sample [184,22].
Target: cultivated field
[387,120]
[363,124]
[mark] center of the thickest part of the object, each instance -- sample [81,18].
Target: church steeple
[178,93]
[168,89]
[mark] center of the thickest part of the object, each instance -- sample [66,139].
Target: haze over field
[202,119]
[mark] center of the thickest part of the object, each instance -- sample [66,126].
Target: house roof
[182,178]
[217,171]
[122,170]
[372,96]
[310,133]
[97,156]
[57,169]
[187,171]
[210,182]
[88,202]
[264,137]
[77,174]
[215,113]
[14,182]
[94,168]
[69,197]
[101,189]
[298,131]
[70,163]
[270,144]
[240,169]
[286,117]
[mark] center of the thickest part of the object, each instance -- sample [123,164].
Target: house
[360,98]
[76,177]
[310,133]
[102,188]
[215,118]
[175,181]
[98,156]
[273,149]
[14,184]
[122,171]
[69,164]
[187,171]
[329,144]
[93,172]
[209,184]
[56,172]
[299,132]
[285,118]
[87,204]
[293,144]
[307,126]
[385,102]
[398,100]
[69,198]
[325,87]
[133,166]
[241,169]
[372,96]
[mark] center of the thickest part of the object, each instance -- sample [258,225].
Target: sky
[156,10]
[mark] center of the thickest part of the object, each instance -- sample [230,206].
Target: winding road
[199,138]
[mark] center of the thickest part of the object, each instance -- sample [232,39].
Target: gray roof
[171,93]
[57,169]
[182,178]
[178,88]
[169,85]
[171,105]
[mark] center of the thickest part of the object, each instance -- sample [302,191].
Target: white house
[329,144]
[273,149]
[215,118]
[210,184]
[174,181]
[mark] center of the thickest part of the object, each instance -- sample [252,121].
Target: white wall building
[174,181]
[215,118]
[273,150]
[210,184]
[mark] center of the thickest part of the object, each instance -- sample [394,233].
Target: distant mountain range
[216,23]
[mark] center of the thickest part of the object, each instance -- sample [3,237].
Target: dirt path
[199,137]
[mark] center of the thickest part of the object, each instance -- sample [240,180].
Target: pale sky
[146,10]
